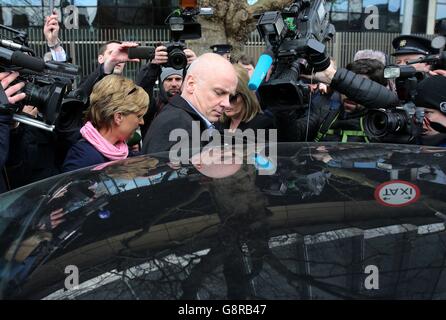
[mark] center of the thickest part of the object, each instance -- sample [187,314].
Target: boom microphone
[22,60]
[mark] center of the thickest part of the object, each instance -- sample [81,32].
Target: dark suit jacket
[177,114]
[86,87]
[146,78]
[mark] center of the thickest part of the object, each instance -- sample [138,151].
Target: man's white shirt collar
[208,123]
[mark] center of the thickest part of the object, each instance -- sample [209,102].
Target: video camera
[402,124]
[46,82]
[295,40]
[183,26]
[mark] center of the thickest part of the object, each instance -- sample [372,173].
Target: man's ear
[101,59]
[189,84]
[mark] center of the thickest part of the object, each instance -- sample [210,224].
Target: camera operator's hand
[30,110]
[438,72]
[51,30]
[119,55]
[322,88]
[325,76]
[160,55]
[11,92]
[190,55]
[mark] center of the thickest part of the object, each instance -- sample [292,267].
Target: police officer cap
[408,44]
[221,48]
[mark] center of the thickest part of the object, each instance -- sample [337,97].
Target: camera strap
[325,126]
[330,120]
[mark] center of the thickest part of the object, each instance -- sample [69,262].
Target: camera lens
[177,59]
[37,96]
[380,123]
[46,97]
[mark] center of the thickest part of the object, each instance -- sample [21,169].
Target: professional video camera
[295,40]
[46,82]
[402,124]
[183,26]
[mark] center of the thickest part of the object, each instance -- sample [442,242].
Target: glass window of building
[92,13]
[350,15]
[440,18]
[346,15]
[441,9]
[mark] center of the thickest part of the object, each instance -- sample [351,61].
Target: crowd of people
[120,118]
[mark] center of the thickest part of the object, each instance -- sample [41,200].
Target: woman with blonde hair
[244,111]
[116,110]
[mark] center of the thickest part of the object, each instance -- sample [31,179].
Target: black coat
[35,155]
[322,114]
[86,87]
[5,121]
[177,114]
[146,78]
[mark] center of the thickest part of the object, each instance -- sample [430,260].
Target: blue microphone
[265,61]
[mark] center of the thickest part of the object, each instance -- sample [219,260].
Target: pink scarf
[118,151]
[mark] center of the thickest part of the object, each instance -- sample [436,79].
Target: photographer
[296,41]
[361,90]
[345,124]
[431,96]
[169,81]
[13,94]
[290,113]
[112,58]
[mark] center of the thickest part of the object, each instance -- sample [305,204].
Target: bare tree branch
[232,22]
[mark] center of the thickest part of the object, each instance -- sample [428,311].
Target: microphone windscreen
[29,62]
[263,64]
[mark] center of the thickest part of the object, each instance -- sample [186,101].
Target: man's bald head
[210,64]
[209,82]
